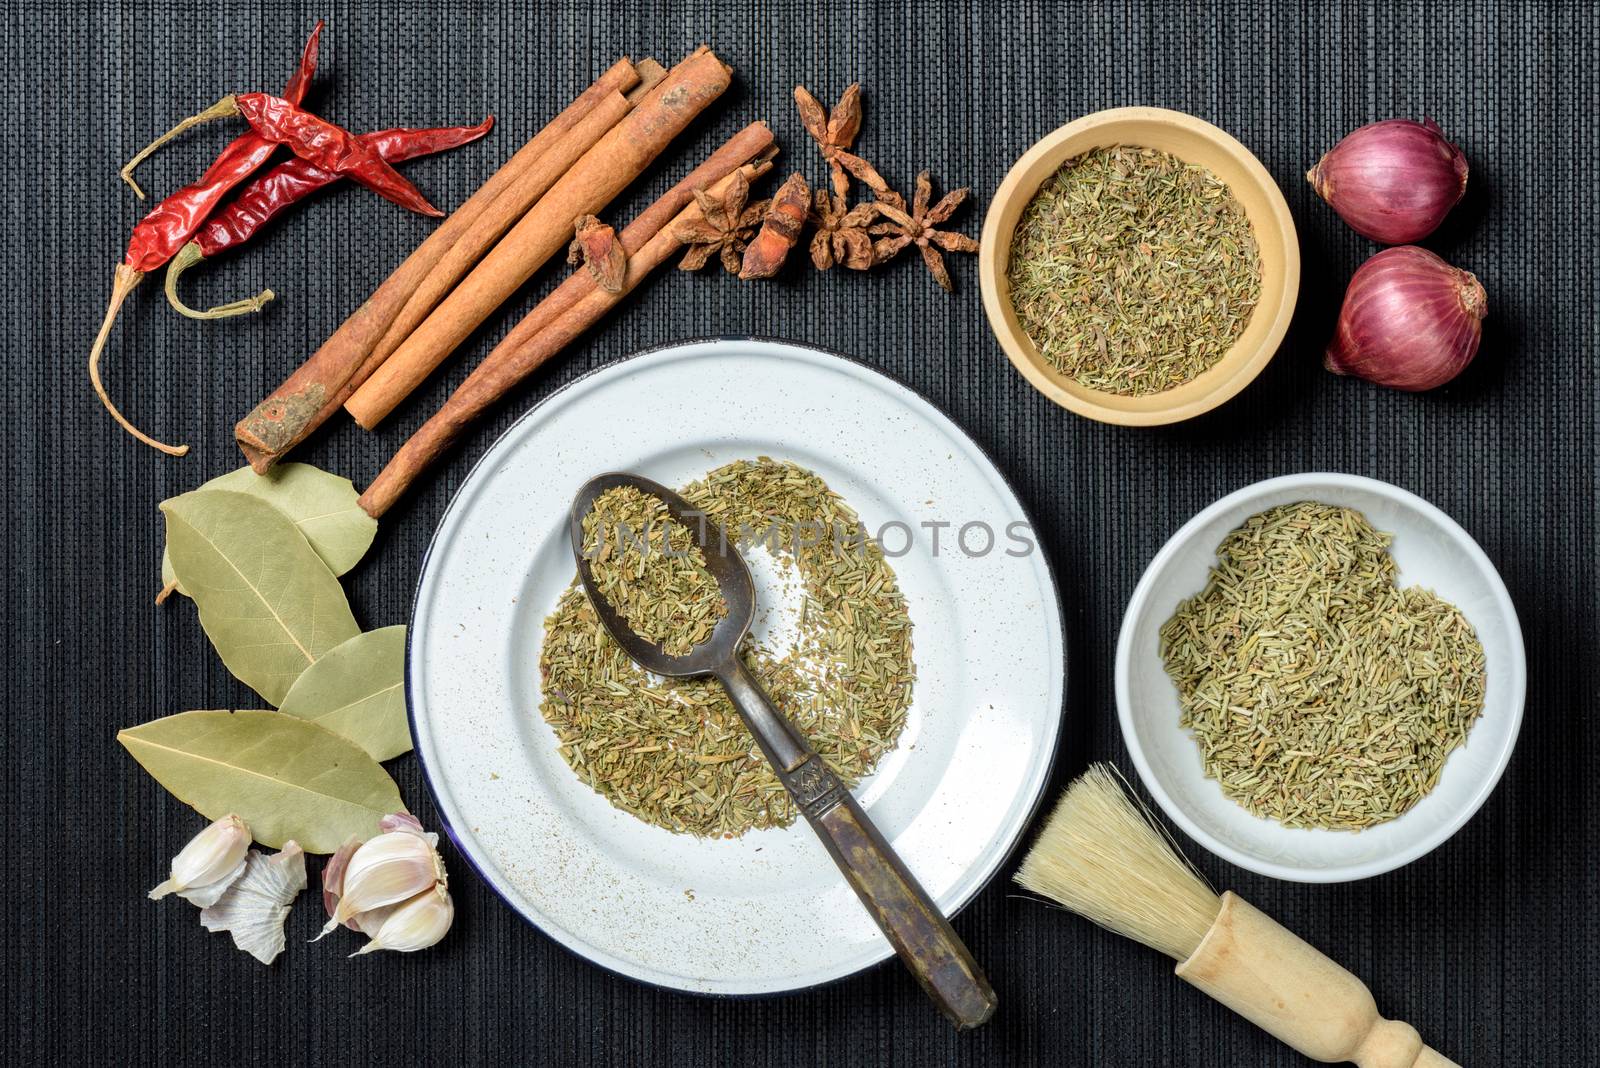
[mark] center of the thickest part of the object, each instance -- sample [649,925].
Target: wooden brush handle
[1265,973]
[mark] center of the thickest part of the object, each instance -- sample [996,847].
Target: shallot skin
[1393,181]
[1410,321]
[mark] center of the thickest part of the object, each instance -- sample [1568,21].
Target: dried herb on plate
[1132,271]
[675,752]
[1320,693]
[646,565]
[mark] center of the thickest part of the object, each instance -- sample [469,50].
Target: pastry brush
[1104,857]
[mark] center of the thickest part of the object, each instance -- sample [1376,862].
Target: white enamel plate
[767,912]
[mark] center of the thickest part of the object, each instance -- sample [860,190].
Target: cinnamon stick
[320,385]
[603,172]
[508,207]
[745,145]
[575,306]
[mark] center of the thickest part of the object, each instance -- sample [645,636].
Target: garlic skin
[255,908]
[333,877]
[386,870]
[405,821]
[416,924]
[209,864]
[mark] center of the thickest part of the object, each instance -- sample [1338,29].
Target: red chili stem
[273,192]
[328,146]
[172,222]
[123,282]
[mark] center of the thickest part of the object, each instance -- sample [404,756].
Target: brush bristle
[1102,856]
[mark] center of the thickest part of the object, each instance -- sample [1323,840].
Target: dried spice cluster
[753,240]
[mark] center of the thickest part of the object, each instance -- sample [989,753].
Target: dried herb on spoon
[646,564]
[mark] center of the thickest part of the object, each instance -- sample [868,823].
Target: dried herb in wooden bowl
[1133,271]
[675,752]
[1320,693]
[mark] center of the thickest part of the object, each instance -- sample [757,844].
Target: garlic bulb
[415,924]
[255,907]
[386,870]
[209,864]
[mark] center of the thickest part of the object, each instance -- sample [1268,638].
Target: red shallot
[1410,321]
[1393,181]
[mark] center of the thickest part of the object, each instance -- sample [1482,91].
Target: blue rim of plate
[1023,825]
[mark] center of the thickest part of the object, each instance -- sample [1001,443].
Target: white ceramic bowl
[1432,551]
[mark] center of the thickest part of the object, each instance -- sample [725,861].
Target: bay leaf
[267,601]
[358,690]
[322,505]
[286,776]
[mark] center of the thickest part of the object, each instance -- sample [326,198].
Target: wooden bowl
[1193,141]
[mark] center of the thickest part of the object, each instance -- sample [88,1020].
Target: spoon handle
[911,921]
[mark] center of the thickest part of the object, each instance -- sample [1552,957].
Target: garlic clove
[415,924]
[209,863]
[405,821]
[255,908]
[208,894]
[384,871]
[368,922]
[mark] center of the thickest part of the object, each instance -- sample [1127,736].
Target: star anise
[917,226]
[834,134]
[841,232]
[724,226]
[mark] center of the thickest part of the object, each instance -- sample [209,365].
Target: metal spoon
[910,920]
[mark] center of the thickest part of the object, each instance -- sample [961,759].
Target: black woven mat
[1487,945]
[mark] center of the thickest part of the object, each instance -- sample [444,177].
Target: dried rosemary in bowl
[1132,271]
[646,565]
[1320,693]
[675,752]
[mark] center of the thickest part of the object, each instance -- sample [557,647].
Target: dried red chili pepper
[172,222]
[162,232]
[313,139]
[289,182]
